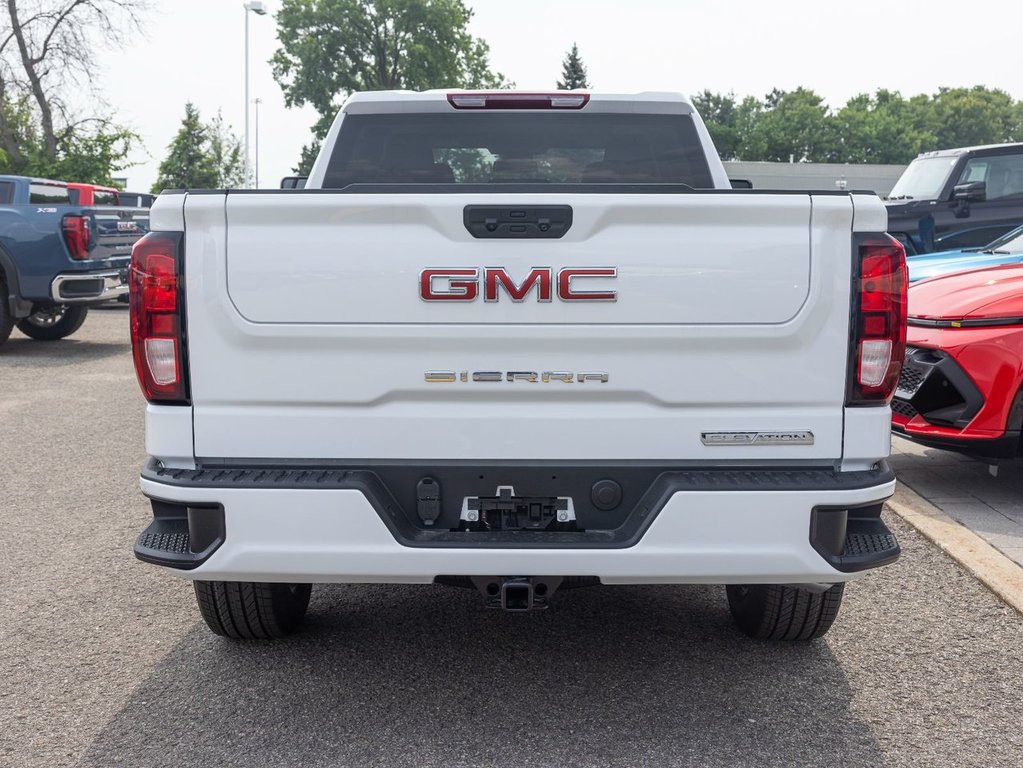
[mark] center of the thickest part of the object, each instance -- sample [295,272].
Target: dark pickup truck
[57,259]
[957,198]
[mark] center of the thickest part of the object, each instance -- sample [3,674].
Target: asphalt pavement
[104,661]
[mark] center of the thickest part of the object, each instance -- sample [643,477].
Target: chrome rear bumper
[89,287]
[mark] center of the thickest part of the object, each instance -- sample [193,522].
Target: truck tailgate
[312,342]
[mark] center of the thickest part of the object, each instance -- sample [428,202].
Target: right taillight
[76,236]
[156,301]
[879,320]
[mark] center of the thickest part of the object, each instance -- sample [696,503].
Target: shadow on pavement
[425,676]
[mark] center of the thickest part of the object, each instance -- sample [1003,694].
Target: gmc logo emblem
[443,284]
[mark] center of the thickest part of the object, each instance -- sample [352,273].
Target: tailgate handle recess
[518,221]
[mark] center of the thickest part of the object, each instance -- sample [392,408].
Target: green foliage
[795,127]
[967,116]
[879,128]
[330,48]
[201,156]
[573,72]
[721,114]
[88,151]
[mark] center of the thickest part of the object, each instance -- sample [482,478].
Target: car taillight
[156,301]
[513,100]
[76,235]
[878,322]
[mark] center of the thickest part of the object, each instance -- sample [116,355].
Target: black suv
[957,198]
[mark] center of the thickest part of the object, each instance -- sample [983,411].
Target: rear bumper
[331,526]
[89,287]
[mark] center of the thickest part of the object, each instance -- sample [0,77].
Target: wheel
[6,319]
[57,321]
[775,612]
[249,611]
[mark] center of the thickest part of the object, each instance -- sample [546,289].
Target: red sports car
[960,386]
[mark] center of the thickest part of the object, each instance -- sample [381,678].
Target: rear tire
[252,611]
[775,612]
[6,319]
[54,322]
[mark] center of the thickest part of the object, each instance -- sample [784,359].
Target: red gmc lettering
[463,284]
[539,276]
[458,290]
[566,276]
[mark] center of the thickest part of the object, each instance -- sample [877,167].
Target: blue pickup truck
[57,259]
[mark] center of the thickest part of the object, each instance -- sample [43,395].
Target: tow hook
[517,593]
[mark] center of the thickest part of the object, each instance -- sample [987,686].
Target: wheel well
[1015,421]
[9,276]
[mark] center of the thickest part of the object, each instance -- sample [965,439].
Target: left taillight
[878,332]
[76,236]
[156,300]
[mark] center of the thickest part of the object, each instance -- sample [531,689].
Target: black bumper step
[854,539]
[181,536]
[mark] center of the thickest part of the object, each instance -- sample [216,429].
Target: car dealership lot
[104,661]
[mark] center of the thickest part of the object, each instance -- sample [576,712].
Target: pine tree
[189,163]
[573,72]
[226,154]
[202,156]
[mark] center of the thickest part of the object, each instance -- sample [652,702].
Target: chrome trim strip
[112,287]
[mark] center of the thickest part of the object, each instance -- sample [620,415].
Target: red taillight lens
[157,321]
[879,323]
[513,100]
[76,235]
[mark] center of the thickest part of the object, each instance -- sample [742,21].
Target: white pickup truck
[518,342]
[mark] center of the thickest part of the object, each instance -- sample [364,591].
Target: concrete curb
[997,572]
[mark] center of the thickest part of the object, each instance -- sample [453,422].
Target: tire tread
[777,612]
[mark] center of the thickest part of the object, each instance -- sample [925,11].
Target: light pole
[257,101]
[258,7]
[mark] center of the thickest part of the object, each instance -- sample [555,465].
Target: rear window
[518,148]
[104,198]
[6,192]
[50,194]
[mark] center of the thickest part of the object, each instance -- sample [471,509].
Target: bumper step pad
[181,536]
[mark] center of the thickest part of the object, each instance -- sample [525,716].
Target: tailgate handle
[517,222]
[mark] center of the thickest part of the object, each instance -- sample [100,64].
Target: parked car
[1008,249]
[57,258]
[93,194]
[136,199]
[960,386]
[518,342]
[957,198]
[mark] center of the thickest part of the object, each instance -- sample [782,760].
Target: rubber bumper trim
[403,526]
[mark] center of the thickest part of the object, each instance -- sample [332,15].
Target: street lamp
[258,7]
[257,101]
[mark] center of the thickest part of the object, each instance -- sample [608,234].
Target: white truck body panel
[309,346]
[300,349]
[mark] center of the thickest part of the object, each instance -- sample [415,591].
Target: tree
[969,116]
[226,154]
[330,48]
[883,128]
[46,53]
[573,72]
[201,156]
[720,113]
[794,128]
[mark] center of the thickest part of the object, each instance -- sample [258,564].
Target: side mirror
[970,192]
[294,182]
[741,183]
[964,194]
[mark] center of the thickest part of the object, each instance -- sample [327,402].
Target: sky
[193,50]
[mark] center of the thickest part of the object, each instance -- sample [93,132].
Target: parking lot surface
[103,660]
[990,505]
